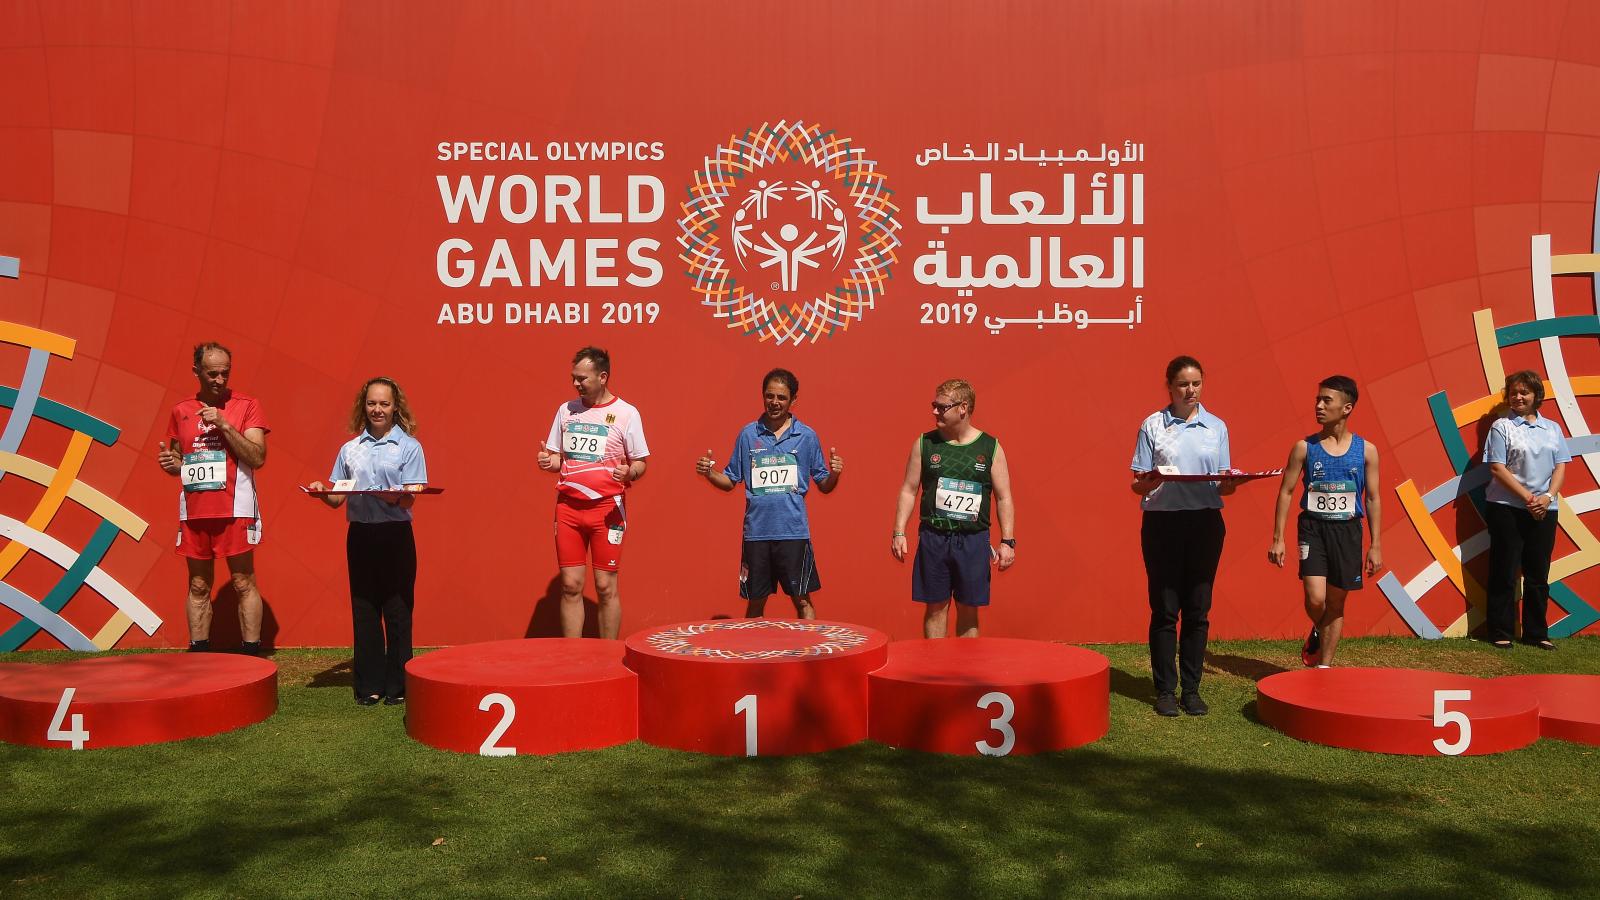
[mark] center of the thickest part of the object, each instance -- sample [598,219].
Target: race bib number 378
[585,441]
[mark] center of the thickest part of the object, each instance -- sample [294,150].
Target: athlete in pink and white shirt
[597,444]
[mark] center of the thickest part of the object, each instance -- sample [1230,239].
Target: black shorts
[765,566]
[949,565]
[1331,548]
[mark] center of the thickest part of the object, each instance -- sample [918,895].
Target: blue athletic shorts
[951,564]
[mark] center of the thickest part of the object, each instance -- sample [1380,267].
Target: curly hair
[402,410]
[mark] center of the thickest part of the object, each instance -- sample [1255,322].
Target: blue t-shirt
[776,471]
[1335,486]
[393,461]
[1530,450]
[1198,446]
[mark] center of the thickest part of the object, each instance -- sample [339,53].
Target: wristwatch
[1009,542]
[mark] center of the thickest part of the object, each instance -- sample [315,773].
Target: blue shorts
[949,564]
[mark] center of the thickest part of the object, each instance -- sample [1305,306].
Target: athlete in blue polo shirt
[776,457]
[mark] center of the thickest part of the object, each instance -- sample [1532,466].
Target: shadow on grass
[1075,823]
[170,846]
[1125,684]
[1242,666]
[339,675]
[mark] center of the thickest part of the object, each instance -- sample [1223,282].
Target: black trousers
[1181,551]
[383,576]
[1516,538]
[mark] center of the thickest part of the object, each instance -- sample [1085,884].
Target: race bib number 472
[585,441]
[959,500]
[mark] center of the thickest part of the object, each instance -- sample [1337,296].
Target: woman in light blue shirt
[379,549]
[1527,456]
[1182,531]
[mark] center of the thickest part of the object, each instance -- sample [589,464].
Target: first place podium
[755,687]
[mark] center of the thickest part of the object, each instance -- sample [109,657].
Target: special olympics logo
[834,639]
[792,200]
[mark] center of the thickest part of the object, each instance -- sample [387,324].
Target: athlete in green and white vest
[962,475]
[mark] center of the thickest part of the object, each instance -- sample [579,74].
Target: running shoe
[1311,651]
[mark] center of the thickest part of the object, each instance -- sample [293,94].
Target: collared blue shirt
[1530,450]
[776,516]
[395,460]
[1198,446]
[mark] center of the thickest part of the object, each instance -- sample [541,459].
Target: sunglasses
[942,408]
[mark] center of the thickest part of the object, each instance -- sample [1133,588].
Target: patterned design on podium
[1548,330]
[683,640]
[28,531]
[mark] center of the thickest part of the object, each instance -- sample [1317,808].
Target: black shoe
[200,646]
[1193,705]
[367,701]
[249,648]
[1311,650]
[1501,645]
[393,701]
[1166,704]
[1542,645]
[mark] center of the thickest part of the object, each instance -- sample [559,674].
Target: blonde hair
[402,410]
[961,392]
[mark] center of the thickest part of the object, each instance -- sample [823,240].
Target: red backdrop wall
[1326,188]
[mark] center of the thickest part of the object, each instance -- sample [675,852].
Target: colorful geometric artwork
[1547,329]
[20,536]
[767,248]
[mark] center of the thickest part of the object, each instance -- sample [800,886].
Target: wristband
[1009,542]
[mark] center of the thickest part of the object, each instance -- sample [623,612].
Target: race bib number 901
[584,441]
[1331,499]
[204,470]
[958,500]
[774,473]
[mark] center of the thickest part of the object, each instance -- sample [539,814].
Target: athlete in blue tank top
[1339,473]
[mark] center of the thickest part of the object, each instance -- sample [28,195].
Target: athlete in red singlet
[215,442]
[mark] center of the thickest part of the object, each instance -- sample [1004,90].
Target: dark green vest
[956,483]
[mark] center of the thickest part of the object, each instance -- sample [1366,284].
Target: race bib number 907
[584,441]
[959,500]
[774,473]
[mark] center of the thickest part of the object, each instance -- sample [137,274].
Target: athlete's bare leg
[572,601]
[242,569]
[198,604]
[610,612]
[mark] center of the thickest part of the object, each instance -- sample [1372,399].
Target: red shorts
[217,538]
[587,528]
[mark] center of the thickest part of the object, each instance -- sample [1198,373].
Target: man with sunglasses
[963,476]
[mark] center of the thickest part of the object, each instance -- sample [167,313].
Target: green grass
[330,799]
